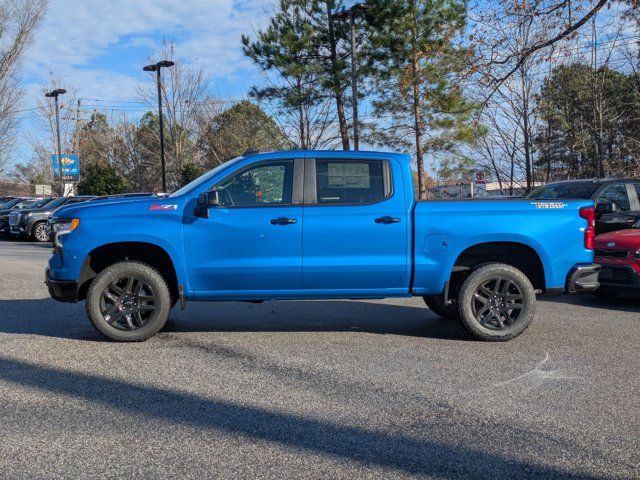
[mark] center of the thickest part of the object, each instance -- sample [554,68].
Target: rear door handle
[387,219]
[282,221]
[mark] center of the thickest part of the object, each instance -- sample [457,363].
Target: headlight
[63,227]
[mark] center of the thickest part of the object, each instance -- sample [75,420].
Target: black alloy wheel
[497,303]
[127,303]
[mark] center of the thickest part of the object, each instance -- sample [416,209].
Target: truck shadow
[622,303]
[47,317]
[433,450]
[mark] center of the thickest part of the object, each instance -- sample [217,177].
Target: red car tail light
[589,214]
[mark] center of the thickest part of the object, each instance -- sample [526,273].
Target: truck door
[355,227]
[251,244]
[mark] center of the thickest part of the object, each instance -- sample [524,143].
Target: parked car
[309,225]
[117,196]
[15,204]
[616,200]
[619,255]
[32,222]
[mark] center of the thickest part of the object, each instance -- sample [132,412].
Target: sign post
[479,178]
[67,169]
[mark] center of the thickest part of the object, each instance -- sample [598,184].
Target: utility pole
[76,136]
[156,67]
[351,15]
[55,93]
[76,142]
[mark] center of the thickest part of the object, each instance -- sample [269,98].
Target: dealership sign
[70,165]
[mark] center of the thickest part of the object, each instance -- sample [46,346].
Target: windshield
[565,191]
[205,177]
[13,202]
[35,203]
[56,202]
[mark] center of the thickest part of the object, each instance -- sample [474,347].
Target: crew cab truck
[318,225]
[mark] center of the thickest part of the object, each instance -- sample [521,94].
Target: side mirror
[605,207]
[205,201]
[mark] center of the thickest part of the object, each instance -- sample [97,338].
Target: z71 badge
[163,207]
[549,204]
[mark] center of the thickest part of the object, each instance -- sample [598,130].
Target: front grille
[612,253]
[14,219]
[622,276]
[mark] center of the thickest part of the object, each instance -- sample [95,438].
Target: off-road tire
[481,276]
[155,321]
[436,305]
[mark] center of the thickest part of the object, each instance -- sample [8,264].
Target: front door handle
[387,219]
[282,221]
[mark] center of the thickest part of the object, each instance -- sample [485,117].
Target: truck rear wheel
[436,305]
[496,302]
[128,302]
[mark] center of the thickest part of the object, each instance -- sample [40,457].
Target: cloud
[78,36]
[97,47]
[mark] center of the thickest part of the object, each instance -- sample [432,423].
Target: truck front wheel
[496,302]
[128,302]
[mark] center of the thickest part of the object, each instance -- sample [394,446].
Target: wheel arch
[519,255]
[105,255]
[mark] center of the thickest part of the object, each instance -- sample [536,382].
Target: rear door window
[351,182]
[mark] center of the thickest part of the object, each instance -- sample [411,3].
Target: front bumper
[619,278]
[583,278]
[61,290]
[19,231]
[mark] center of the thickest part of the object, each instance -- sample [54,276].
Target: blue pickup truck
[317,225]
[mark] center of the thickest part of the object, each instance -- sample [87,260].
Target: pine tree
[415,62]
[306,49]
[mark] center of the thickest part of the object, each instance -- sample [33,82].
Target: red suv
[619,254]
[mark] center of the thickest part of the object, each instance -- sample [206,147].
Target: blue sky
[98,47]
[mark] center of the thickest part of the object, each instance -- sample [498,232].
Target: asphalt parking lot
[331,389]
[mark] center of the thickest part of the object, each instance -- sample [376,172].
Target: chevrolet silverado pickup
[318,225]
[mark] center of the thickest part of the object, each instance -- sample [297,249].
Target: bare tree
[19,20]
[509,113]
[186,100]
[557,21]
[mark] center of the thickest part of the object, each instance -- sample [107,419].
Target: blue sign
[70,165]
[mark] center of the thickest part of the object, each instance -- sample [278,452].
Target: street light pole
[351,14]
[157,67]
[55,93]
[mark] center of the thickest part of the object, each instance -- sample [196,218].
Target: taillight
[589,214]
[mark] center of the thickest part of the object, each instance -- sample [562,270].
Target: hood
[6,211]
[25,211]
[133,204]
[628,239]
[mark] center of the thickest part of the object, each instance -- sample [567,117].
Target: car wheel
[496,302]
[39,232]
[436,305]
[128,302]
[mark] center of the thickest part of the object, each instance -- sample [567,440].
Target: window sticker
[349,175]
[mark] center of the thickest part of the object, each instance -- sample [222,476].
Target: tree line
[528,91]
